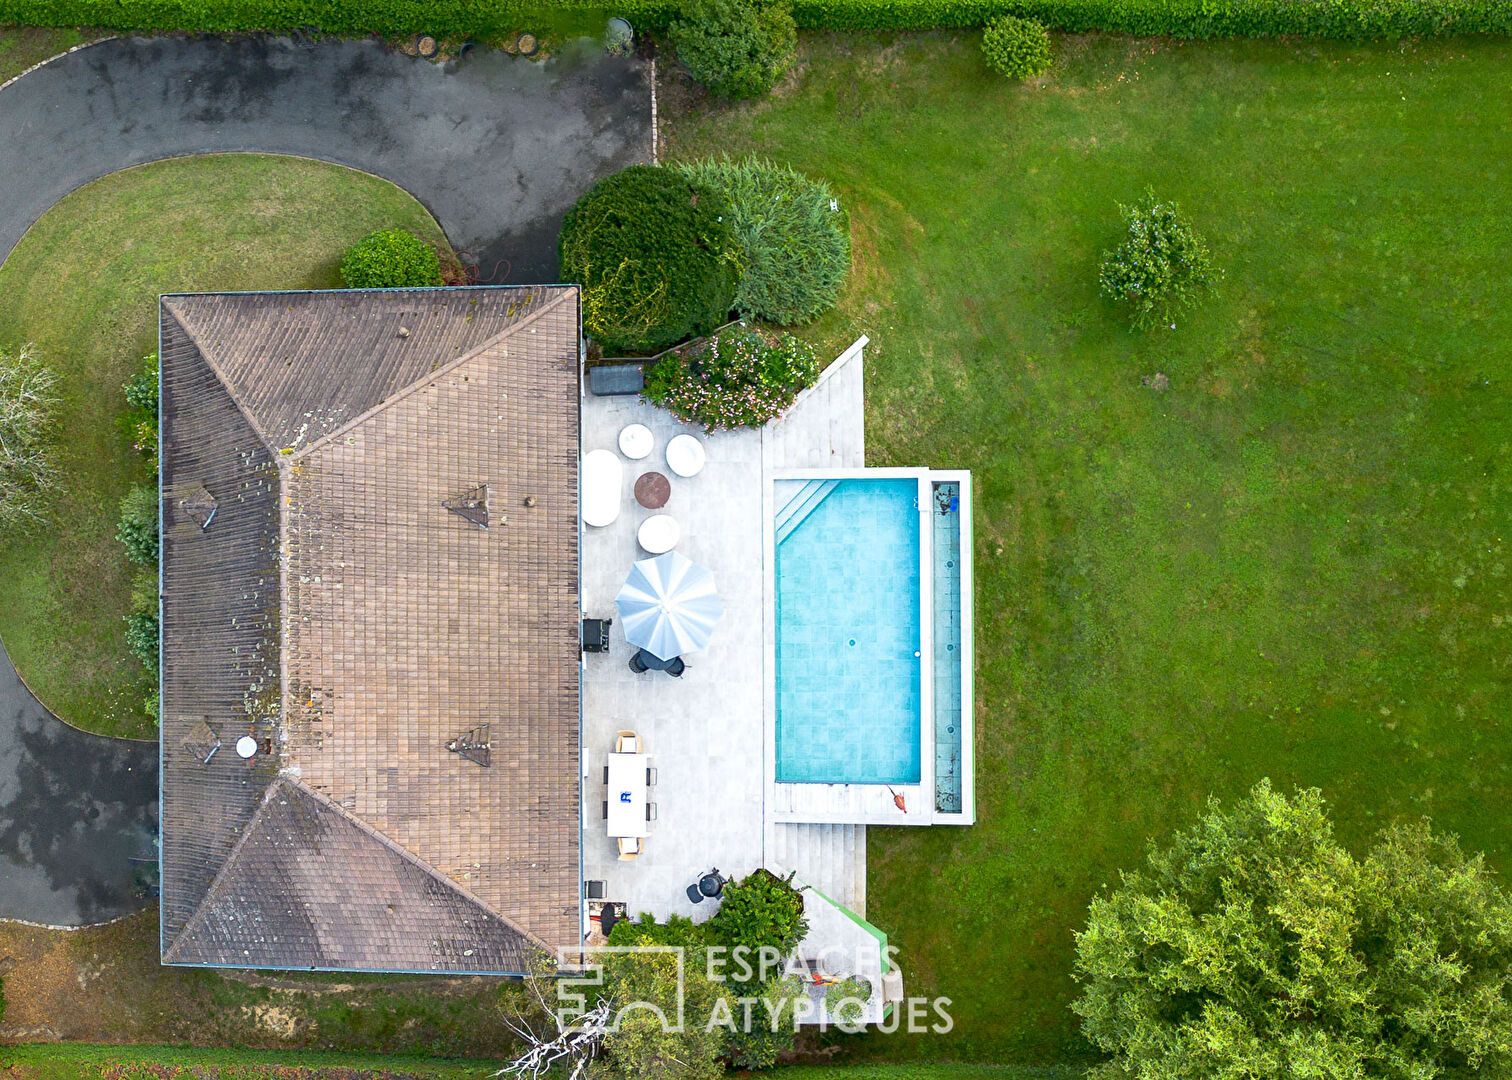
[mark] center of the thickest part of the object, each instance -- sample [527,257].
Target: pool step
[800,505]
[831,858]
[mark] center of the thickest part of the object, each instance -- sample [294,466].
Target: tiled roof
[340,610]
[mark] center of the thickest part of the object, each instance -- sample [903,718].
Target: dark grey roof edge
[553,302]
[218,881]
[241,406]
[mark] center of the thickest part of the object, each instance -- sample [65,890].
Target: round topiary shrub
[391,259]
[655,257]
[738,378]
[737,48]
[1019,48]
[794,239]
[1161,267]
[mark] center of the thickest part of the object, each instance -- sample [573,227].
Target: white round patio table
[635,441]
[685,455]
[659,533]
[246,746]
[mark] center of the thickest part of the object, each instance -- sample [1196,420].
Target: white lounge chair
[603,482]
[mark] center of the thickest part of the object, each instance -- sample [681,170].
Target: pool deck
[706,733]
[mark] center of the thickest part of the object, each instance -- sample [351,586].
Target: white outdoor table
[627,794]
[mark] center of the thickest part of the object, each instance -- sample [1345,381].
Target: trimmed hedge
[391,259]
[655,257]
[483,19]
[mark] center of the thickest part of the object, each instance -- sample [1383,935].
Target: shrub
[1161,267]
[655,256]
[28,407]
[1354,20]
[737,48]
[138,529]
[845,1001]
[142,638]
[1255,945]
[142,409]
[794,240]
[390,259]
[1018,48]
[736,379]
[759,911]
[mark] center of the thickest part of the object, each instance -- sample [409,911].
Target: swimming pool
[848,631]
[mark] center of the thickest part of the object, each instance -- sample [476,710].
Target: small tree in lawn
[1162,267]
[28,405]
[737,48]
[1255,945]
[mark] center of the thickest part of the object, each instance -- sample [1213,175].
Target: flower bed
[739,377]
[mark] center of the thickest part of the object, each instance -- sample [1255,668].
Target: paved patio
[703,732]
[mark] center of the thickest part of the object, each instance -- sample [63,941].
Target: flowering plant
[739,378]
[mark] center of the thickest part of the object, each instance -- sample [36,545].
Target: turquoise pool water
[848,698]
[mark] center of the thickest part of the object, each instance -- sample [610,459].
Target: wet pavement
[78,816]
[497,147]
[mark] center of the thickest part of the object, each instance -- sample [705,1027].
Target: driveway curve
[497,147]
[78,816]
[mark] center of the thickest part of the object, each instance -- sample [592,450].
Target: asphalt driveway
[78,816]
[496,147]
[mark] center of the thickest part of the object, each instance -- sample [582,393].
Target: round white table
[636,441]
[685,455]
[659,533]
[246,746]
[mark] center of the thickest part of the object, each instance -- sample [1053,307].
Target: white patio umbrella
[669,606]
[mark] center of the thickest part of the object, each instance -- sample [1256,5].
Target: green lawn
[83,285]
[23,46]
[1293,563]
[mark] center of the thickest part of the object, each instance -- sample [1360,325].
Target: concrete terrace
[706,733]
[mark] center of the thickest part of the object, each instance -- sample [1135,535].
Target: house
[370,683]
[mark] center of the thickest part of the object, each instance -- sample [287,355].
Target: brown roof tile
[375,624]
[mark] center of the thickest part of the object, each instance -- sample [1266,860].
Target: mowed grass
[23,46]
[1293,563]
[83,285]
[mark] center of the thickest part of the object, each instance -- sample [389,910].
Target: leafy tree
[655,256]
[1161,267]
[737,48]
[391,259]
[138,529]
[28,407]
[641,1046]
[794,239]
[1018,48]
[1254,945]
[760,910]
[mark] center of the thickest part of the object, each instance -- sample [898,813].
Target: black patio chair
[638,665]
[694,895]
[676,667]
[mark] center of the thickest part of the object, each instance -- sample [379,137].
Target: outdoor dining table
[627,795]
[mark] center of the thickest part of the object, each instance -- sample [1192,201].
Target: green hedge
[482,19]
